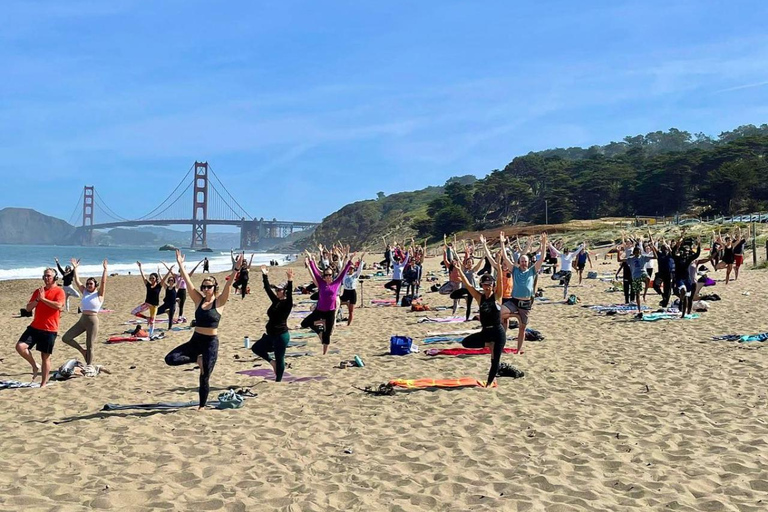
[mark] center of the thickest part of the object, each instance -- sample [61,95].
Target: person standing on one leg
[90,305]
[203,347]
[277,337]
[67,275]
[47,302]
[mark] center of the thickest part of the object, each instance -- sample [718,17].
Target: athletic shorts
[649,271]
[449,287]
[152,310]
[738,259]
[638,285]
[580,268]
[686,284]
[349,296]
[522,314]
[42,340]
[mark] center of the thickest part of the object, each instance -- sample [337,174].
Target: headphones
[215,283]
[55,273]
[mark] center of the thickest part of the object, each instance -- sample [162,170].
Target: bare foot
[35,372]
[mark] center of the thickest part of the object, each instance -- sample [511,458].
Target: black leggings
[273,343]
[243,285]
[663,285]
[397,284]
[463,292]
[199,344]
[487,268]
[170,307]
[495,335]
[629,294]
[328,316]
[181,294]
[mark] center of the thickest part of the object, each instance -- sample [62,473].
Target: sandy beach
[612,414]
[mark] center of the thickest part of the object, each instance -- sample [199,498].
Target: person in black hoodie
[683,256]
[276,338]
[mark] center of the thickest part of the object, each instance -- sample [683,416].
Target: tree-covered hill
[658,174]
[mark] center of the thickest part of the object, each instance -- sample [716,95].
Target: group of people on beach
[503,284]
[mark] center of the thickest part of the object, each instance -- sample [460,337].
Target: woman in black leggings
[203,347]
[276,338]
[493,334]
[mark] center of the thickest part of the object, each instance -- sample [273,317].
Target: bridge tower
[88,205]
[200,207]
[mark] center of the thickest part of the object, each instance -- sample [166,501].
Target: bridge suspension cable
[77,213]
[239,214]
[155,211]
[103,206]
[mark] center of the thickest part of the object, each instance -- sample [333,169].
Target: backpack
[418,306]
[229,400]
[406,301]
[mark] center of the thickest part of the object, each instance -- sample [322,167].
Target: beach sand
[613,414]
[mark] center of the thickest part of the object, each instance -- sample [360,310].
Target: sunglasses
[206,286]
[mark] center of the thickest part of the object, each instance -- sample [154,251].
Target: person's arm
[61,270]
[589,259]
[698,248]
[480,263]
[32,304]
[222,299]
[195,295]
[621,266]
[250,262]
[343,273]
[471,289]
[554,249]
[103,282]
[317,277]
[192,272]
[503,245]
[540,260]
[289,287]
[49,303]
[141,271]
[75,263]
[445,257]
[164,282]
[265,277]
[311,274]
[653,246]
[359,266]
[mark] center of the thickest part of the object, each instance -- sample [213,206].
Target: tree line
[658,174]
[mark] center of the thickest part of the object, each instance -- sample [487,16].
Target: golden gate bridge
[211,205]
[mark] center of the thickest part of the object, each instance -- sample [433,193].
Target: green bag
[229,400]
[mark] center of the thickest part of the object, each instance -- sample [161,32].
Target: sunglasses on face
[206,286]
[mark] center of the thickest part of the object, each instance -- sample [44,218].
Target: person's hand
[104,264]
[289,274]
[482,239]
[139,263]
[240,261]
[264,270]
[74,262]
[40,293]
[57,259]
[179,258]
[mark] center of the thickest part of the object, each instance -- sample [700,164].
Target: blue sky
[303,106]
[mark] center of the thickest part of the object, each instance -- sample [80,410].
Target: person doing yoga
[203,347]
[151,299]
[683,256]
[67,275]
[90,305]
[492,333]
[169,283]
[181,289]
[349,295]
[566,265]
[323,318]
[277,337]
[397,275]
[523,286]
[242,276]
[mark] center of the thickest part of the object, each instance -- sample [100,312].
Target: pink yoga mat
[464,351]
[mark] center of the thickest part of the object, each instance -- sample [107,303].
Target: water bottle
[247,342]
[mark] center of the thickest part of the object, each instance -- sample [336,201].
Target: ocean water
[29,261]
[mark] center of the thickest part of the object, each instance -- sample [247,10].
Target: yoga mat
[297,343]
[158,405]
[452,333]
[300,335]
[448,320]
[268,374]
[753,337]
[464,351]
[654,317]
[15,384]
[463,382]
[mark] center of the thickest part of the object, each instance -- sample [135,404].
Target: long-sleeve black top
[279,310]
[66,277]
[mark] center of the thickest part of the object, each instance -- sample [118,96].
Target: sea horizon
[27,261]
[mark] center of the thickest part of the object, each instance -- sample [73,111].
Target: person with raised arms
[523,287]
[67,276]
[203,347]
[181,288]
[90,305]
[349,295]
[492,334]
[323,318]
[277,337]
[169,284]
[566,264]
[151,299]
[47,302]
